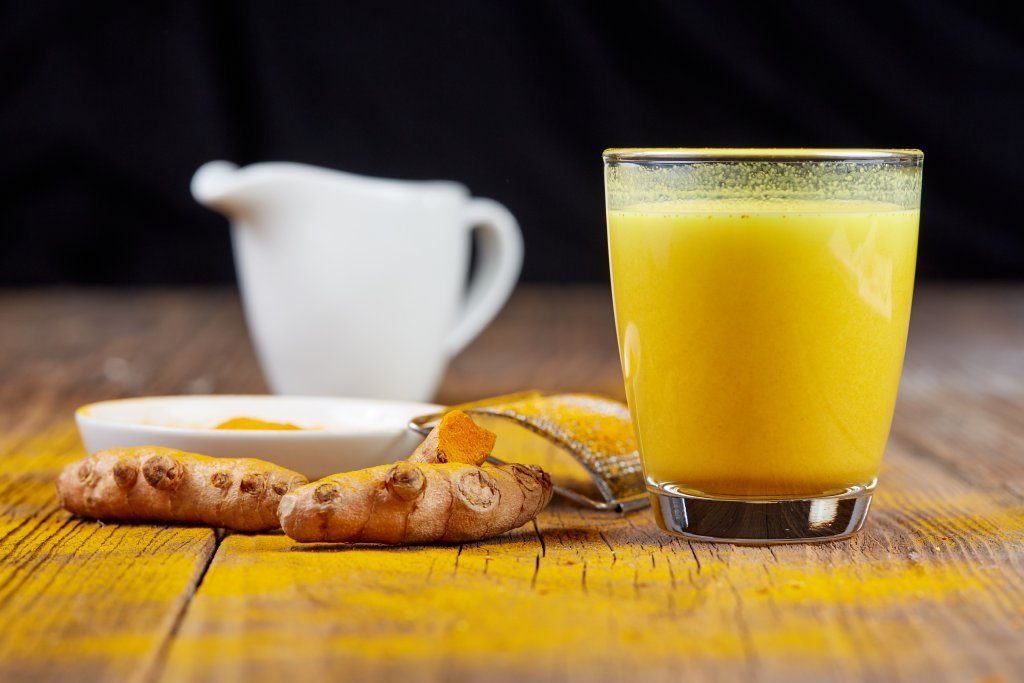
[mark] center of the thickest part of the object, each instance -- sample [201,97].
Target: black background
[108,108]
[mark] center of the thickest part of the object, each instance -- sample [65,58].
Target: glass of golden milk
[761,301]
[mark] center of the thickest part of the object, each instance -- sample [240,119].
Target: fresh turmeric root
[167,485]
[415,503]
[443,492]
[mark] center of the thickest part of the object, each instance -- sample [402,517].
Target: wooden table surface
[931,590]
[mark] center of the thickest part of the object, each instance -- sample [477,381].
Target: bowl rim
[83,416]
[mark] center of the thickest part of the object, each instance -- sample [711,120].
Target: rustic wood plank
[80,600]
[557,339]
[62,348]
[933,589]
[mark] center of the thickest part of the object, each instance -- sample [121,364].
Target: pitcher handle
[500,258]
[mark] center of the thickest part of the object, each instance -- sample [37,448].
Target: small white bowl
[338,435]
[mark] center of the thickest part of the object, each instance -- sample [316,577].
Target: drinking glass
[762,298]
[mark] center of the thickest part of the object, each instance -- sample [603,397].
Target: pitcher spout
[219,185]
[252,191]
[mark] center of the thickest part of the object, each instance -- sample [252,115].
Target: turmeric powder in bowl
[313,435]
[253,423]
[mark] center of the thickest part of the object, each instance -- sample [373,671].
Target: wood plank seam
[160,659]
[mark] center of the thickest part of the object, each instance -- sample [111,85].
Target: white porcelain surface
[356,286]
[341,434]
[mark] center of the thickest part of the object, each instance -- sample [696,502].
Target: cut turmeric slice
[456,439]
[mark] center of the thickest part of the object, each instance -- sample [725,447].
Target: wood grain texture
[558,339]
[932,589]
[81,600]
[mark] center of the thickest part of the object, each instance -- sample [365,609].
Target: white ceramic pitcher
[356,286]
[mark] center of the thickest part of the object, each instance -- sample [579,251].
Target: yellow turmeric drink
[762,341]
[762,298]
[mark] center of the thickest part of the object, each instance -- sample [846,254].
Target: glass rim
[690,155]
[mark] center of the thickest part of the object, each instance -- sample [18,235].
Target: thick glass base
[761,521]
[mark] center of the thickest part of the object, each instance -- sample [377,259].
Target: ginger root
[167,485]
[441,493]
